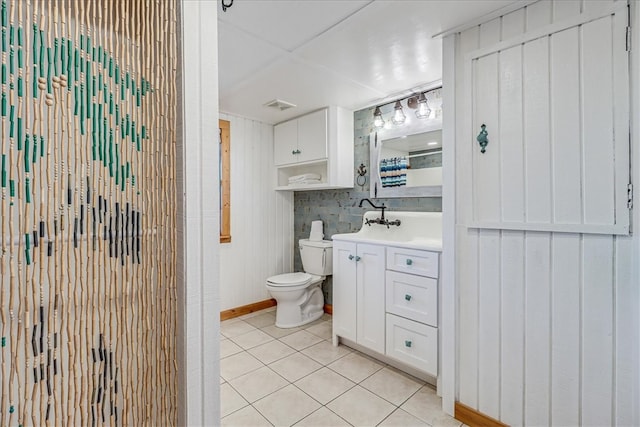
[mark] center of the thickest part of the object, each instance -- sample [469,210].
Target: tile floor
[285,377]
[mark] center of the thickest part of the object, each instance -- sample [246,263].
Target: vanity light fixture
[377,118]
[423,111]
[398,116]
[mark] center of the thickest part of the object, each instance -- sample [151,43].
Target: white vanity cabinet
[411,283]
[385,298]
[317,143]
[358,293]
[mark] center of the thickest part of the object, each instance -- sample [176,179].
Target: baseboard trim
[473,418]
[328,308]
[246,309]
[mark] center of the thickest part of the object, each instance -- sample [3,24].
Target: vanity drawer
[412,261]
[413,343]
[413,297]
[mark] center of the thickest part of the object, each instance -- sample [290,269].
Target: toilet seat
[289,279]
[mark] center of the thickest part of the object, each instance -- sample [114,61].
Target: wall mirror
[407,161]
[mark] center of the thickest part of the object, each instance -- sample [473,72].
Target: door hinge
[628,39]
[630,196]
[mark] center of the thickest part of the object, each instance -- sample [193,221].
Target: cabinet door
[371,306]
[312,136]
[344,290]
[285,143]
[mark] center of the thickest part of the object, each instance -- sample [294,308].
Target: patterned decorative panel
[88,211]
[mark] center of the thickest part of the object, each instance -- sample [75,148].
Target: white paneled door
[555,102]
[547,309]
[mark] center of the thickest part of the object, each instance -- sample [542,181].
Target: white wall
[261,218]
[198,326]
[547,323]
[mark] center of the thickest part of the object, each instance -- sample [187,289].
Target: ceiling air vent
[279,104]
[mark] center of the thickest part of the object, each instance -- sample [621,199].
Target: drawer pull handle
[358,258]
[409,261]
[350,256]
[407,343]
[407,297]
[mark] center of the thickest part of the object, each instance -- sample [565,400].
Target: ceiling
[314,53]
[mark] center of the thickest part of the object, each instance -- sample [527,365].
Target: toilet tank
[317,256]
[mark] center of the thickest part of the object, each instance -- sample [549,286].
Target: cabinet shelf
[319,143]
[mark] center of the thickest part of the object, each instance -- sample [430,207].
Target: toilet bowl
[299,295]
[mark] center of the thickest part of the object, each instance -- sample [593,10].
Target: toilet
[299,295]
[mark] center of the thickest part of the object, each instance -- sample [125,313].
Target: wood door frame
[225,180]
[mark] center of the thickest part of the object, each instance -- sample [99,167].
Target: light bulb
[423,111]
[377,118]
[398,116]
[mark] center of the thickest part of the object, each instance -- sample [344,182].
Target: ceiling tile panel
[241,55]
[286,23]
[293,81]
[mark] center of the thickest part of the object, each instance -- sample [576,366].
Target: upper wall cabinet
[301,140]
[315,151]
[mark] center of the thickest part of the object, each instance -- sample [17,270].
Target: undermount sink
[418,230]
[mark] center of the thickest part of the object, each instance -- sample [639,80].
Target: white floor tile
[286,406]
[239,364]
[392,385]
[301,340]
[324,385]
[230,400]
[262,320]
[247,416]
[355,367]
[252,339]
[228,348]
[323,418]
[271,351]
[360,407]
[400,418]
[295,366]
[276,332]
[324,352]
[257,384]
[236,328]
[425,404]
[323,330]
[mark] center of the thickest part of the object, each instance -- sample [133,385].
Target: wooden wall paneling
[621,120]
[512,327]
[565,127]
[536,131]
[597,330]
[486,182]
[595,5]
[566,9]
[465,138]
[513,24]
[489,326]
[539,14]
[467,244]
[626,323]
[597,81]
[565,342]
[466,239]
[262,216]
[537,328]
[511,136]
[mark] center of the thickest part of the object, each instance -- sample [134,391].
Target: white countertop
[421,244]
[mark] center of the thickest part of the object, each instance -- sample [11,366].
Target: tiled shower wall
[338,209]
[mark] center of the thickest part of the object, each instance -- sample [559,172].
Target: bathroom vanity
[385,289]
